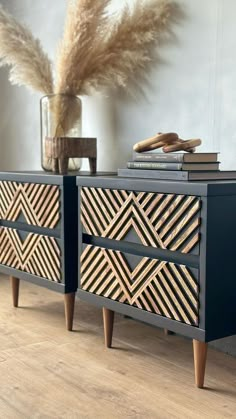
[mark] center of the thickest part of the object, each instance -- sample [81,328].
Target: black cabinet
[38,232]
[162,252]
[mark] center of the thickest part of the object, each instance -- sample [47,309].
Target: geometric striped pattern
[166,221]
[156,286]
[38,255]
[39,204]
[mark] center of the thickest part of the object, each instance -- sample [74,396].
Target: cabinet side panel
[70,234]
[202,270]
[221,267]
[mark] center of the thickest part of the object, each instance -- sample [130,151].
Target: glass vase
[60,116]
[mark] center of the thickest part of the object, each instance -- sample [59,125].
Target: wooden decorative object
[200,356]
[169,141]
[108,321]
[60,149]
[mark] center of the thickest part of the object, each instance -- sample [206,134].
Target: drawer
[157,286]
[166,221]
[31,203]
[32,253]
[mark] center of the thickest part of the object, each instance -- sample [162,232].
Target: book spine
[157,174]
[160,157]
[153,165]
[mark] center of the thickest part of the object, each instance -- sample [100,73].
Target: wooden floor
[47,372]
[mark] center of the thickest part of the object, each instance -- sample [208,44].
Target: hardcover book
[184,175]
[176,157]
[172,166]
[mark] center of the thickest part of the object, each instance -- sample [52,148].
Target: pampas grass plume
[106,52]
[30,66]
[97,51]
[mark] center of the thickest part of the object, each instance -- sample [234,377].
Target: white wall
[192,92]
[19,108]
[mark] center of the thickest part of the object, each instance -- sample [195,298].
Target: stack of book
[175,166]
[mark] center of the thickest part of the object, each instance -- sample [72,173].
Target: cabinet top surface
[111,180]
[32,176]
[201,188]
[40,176]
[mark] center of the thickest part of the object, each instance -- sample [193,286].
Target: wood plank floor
[47,372]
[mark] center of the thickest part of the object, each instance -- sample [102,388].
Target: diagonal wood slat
[161,287]
[165,221]
[38,255]
[39,203]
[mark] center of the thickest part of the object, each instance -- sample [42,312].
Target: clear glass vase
[60,116]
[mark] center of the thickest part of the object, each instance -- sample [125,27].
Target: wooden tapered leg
[168,332]
[15,284]
[69,301]
[108,321]
[200,355]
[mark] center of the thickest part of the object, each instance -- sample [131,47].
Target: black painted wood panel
[38,228]
[216,260]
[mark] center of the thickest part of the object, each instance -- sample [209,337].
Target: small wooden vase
[60,149]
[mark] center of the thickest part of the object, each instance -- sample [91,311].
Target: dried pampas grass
[97,51]
[84,23]
[104,52]
[30,66]
[67,111]
[128,49]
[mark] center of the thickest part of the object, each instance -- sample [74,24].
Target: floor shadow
[84,332]
[220,391]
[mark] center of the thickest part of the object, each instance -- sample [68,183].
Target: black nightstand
[39,233]
[162,252]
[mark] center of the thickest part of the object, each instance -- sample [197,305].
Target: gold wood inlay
[39,203]
[108,273]
[38,255]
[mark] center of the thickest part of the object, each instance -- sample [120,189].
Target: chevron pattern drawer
[36,204]
[32,253]
[167,221]
[156,286]
[38,232]
[162,252]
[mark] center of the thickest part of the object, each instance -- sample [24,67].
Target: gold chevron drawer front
[32,253]
[35,204]
[166,221]
[152,285]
